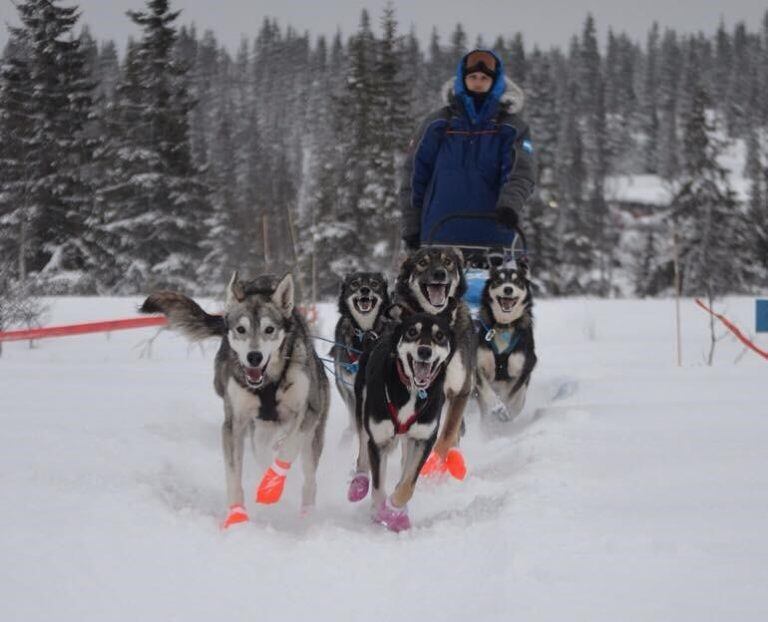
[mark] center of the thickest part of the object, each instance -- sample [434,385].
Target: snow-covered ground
[629,489]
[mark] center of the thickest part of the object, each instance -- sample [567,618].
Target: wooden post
[678,287]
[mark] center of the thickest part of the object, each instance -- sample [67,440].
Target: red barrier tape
[734,329]
[108,326]
[82,329]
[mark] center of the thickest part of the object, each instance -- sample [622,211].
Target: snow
[629,489]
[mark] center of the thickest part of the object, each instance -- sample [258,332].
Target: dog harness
[401,428]
[358,344]
[501,358]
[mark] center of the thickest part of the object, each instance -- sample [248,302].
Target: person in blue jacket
[473,155]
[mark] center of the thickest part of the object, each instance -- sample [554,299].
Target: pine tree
[573,229]
[155,197]
[47,210]
[592,107]
[543,212]
[650,100]
[392,104]
[669,79]
[757,174]
[517,69]
[710,225]
[355,124]
[762,70]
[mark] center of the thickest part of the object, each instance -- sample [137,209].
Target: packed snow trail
[628,489]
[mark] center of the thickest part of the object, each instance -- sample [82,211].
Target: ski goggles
[481,61]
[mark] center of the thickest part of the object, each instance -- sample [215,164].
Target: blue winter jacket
[467,160]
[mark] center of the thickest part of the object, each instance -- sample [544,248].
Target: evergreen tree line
[180,161]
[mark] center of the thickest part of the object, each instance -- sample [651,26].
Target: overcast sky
[544,22]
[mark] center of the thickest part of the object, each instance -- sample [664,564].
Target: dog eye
[412,333]
[440,336]
[269,330]
[448,263]
[423,262]
[241,330]
[355,284]
[374,285]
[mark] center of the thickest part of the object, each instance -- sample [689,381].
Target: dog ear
[235,290]
[522,266]
[395,312]
[283,295]
[459,257]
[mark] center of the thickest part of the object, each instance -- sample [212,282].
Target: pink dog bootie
[393,518]
[358,487]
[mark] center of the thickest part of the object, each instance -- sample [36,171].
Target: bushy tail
[185,315]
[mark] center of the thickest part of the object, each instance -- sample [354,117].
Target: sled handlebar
[475,216]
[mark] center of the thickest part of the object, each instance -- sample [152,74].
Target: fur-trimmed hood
[513,98]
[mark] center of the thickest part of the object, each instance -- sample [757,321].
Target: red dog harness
[401,428]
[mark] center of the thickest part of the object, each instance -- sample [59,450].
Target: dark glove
[412,241]
[507,216]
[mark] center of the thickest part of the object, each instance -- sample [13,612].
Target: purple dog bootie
[358,487]
[393,518]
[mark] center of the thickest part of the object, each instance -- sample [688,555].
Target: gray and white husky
[273,384]
[506,354]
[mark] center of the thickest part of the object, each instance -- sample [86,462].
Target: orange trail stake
[272,484]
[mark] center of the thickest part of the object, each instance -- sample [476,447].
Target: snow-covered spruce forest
[179,160]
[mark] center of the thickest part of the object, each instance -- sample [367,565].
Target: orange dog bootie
[236,514]
[434,465]
[454,461]
[271,488]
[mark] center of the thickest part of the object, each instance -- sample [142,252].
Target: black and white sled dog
[273,384]
[400,395]
[362,301]
[431,280]
[505,355]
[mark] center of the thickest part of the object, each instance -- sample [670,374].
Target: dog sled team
[407,359]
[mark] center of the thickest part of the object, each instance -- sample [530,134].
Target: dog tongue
[436,294]
[421,372]
[365,305]
[507,303]
[254,373]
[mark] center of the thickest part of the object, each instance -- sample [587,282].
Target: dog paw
[272,484]
[435,465]
[454,462]
[501,412]
[236,514]
[358,487]
[306,511]
[393,518]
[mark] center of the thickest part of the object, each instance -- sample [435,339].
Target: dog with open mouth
[506,354]
[272,382]
[362,300]
[431,280]
[400,395]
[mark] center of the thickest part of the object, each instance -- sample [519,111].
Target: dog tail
[185,315]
